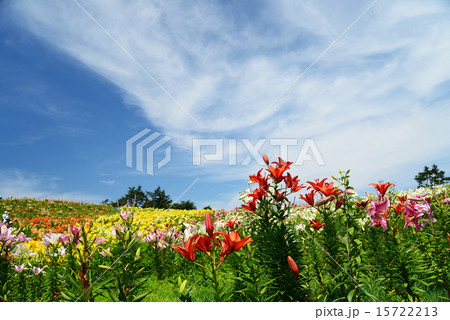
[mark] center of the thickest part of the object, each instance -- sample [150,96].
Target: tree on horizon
[430,177]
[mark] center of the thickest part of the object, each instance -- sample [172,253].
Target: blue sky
[73,90]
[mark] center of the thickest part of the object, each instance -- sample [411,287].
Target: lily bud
[266,159]
[293,266]
[324,201]
[209,224]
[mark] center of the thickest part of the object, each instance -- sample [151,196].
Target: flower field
[331,245]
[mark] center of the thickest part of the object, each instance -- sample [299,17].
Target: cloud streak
[375,103]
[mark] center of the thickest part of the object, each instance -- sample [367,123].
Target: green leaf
[350,295]
[68,296]
[113,296]
[105,281]
[351,231]
[138,272]
[272,296]
[105,267]
[141,297]
[263,290]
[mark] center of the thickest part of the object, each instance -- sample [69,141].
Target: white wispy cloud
[108,181]
[19,184]
[374,103]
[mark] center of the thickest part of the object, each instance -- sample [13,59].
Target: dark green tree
[134,197]
[429,177]
[158,199]
[184,205]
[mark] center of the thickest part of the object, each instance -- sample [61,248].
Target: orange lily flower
[232,242]
[189,250]
[277,172]
[204,244]
[259,179]
[316,224]
[309,197]
[250,206]
[382,187]
[315,185]
[329,190]
[231,224]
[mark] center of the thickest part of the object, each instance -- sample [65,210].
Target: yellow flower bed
[35,246]
[149,218]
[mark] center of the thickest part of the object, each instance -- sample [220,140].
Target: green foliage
[184,205]
[158,199]
[275,241]
[346,259]
[124,280]
[155,199]
[430,177]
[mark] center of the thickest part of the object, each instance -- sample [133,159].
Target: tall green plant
[274,238]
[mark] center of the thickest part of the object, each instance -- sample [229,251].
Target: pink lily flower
[125,215]
[64,239]
[36,270]
[378,207]
[5,235]
[21,238]
[413,213]
[377,211]
[103,253]
[19,268]
[100,240]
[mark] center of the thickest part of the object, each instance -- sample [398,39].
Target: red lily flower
[231,224]
[258,194]
[362,204]
[293,183]
[281,163]
[293,266]
[259,179]
[309,197]
[316,224]
[382,187]
[288,180]
[339,202]
[315,185]
[329,190]
[277,172]
[250,206]
[266,159]
[232,242]
[204,243]
[189,250]
[402,199]
[399,208]
[280,195]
